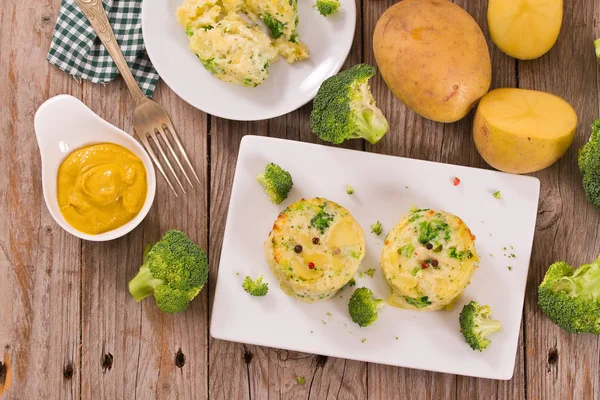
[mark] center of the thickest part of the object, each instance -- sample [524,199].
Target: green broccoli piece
[212,67]
[571,297]
[429,230]
[255,287]
[174,270]
[275,26]
[344,108]
[321,221]
[476,324]
[277,182]
[497,195]
[351,282]
[597,46]
[363,307]
[589,165]
[300,380]
[377,228]
[350,190]
[370,272]
[327,7]
[420,302]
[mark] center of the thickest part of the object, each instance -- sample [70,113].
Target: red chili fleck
[424,264]
[456,181]
[430,212]
[415,254]
[311,265]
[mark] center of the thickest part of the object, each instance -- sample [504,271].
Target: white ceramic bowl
[287,88]
[64,124]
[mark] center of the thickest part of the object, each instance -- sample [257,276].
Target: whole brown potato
[434,58]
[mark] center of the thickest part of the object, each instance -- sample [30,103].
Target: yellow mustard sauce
[101,187]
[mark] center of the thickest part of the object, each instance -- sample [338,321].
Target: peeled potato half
[522,131]
[525,29]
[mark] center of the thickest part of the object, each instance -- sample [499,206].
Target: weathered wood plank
[129,349]
[272,372]
[409,136]
[561,365]
[460,149]
[39,263]
[229,363]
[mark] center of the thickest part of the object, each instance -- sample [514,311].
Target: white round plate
[287,88]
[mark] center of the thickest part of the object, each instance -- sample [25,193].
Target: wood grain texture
[560,365]
[39,263]
[67,320]
[129,349]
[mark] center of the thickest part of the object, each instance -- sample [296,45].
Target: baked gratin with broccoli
[314,249]
[428,260]
[227,37]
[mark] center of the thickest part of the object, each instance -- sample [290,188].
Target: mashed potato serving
[314,249]
[227,39]
[428,260]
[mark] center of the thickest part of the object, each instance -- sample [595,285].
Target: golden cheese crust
[428,260]
[314,249]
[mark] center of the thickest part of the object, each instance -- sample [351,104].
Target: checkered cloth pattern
[76,49]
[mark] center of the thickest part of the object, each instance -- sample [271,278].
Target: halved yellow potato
[522,131]
[525,29]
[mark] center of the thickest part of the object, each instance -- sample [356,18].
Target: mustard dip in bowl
[98,181]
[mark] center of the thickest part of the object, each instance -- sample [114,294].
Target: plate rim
[168,81]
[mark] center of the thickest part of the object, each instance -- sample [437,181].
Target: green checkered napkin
[76,49]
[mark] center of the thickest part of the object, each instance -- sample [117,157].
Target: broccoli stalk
[174,270]
[327,7]
[571,298]
[277,182]
[589,165]
[255,287]
[476,325]
[363,307]
[344,108]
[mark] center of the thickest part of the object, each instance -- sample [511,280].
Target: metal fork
[149,119]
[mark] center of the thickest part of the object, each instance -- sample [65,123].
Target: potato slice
[522,131]
[525,29]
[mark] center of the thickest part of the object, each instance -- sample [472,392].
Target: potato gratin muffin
[314,249]
[428,260]
[234,49]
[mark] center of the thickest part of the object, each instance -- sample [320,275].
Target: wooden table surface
[72,330]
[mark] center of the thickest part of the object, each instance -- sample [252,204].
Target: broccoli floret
[344,108]
[571,297]
[419,302]
[300,380]
[597,46]
[350,189]
[277,182]
[377,228]
[256,287]
[497,195]
[351,282]
[363,307]
[275,26]
[589,165]
[327,7]
[475,325]
[174,270]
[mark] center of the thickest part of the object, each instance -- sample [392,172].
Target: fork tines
[161,130]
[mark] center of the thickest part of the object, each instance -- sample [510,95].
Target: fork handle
[94,11]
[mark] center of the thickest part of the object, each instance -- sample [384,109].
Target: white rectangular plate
[385,188]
